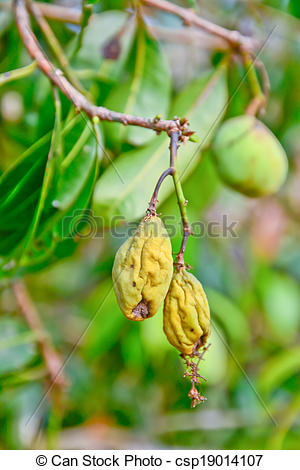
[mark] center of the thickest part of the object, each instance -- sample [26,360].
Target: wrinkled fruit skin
[143,270]
[186,313]
[249,157]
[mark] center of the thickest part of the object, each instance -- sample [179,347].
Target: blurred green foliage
[126,386]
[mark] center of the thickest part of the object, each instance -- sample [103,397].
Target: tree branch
[234,38]
[60,13]
[55,46]
[52,360]
[52,12]
[79,100]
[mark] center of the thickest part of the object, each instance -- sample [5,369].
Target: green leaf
[229,316]
[280,298]
[62,228]
[60,224]
[278,369]
[76,211]
[21,213]
[52,167]
[90,54]
[153,338]
[107,323]
[19,189]
[75,170]
[215,365]
[145,93]
[204,103]
[79,169]
[17,348]
[69,182]
[288,416]
[132,350]
[9,240]
[24,175]
[126,187]
[139,170]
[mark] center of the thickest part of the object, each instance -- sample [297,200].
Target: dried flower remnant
[192,372]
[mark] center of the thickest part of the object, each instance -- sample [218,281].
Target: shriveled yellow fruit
[186,313]
[143,270]
[249,157]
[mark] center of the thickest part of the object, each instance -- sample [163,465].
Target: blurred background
[125,381]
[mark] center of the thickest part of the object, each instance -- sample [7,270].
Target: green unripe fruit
[249,157]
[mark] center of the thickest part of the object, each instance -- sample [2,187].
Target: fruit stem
[259,99]
[152,204]
[182,202]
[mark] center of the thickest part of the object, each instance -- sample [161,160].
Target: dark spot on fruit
[131,265]
[134,284]
[141,311]
[192,329]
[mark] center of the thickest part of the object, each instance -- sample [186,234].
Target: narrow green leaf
[20,214]
[102,335]
[13,176]
[51,166]
[78,171]
[229,316]
[77,183]
[30,181]
[76,211]
[25,337]
[61,228]
[278,369]
[280,293]
[8,241]
[75,171]
[65,180]
[288,416]
[15,353]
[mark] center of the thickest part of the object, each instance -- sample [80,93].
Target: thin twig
[188,36]
[53,12]
[234,38]
[180,35]
[78,99]
[54,45]
[53,361]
